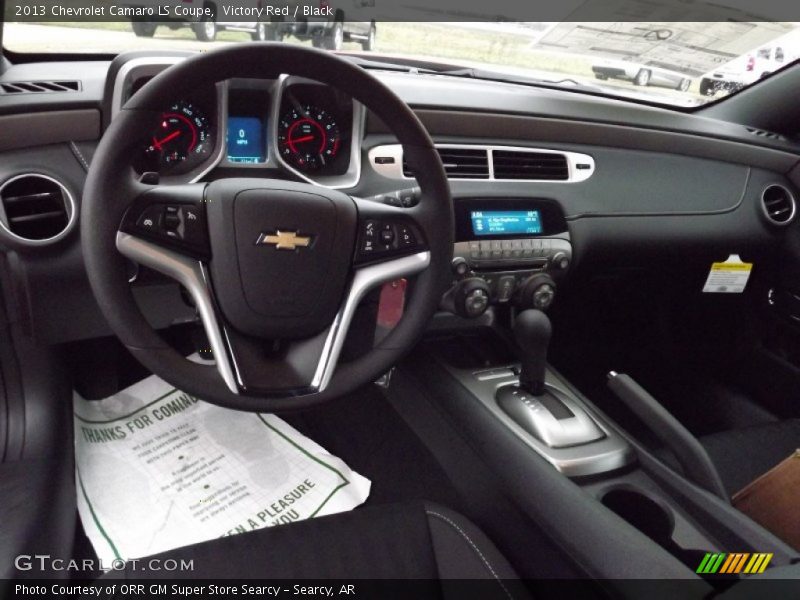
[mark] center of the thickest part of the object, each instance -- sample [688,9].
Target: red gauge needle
[305,138]
[159,143]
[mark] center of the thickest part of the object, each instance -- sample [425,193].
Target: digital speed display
[506,222]
[246,140]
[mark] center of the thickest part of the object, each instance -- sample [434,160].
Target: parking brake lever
[691,455]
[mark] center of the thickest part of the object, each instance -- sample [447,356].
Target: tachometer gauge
[308,138]
[182,135]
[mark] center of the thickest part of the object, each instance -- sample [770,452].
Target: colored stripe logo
[734,563]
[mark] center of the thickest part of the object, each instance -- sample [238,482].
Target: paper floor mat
[157,469]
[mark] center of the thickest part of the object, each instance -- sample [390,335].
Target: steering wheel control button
[172,220]
[369,238]
[177,225]
[150,219]
[407,237]
[386,237]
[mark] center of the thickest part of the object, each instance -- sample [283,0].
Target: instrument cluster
[182,138]
[288,125]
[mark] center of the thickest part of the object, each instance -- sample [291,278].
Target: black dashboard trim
[510,127]
[44,128]
[680,213]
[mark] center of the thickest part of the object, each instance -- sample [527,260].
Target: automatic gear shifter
[532,330]
[546,412]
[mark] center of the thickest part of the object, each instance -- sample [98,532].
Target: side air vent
[39,87]
[778,204]
[35,209]
[769,135]
[461,163]
[520,164]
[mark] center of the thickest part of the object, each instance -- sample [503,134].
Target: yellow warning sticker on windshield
[729,277]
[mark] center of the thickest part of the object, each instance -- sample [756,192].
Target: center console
[513,251]
[555,452]
[594,479]
[507,251]
[539,407]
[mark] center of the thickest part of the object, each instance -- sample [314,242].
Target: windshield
[677,63]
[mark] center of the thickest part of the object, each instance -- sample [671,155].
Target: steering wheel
[276,269]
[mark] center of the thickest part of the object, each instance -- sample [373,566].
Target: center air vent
[461,163]
[35,208]
[39,87]
[520,164]
[501,163]
[778,205]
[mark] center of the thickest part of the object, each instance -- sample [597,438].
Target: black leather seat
[742,455]
[420,541]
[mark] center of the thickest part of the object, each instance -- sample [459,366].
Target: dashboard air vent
[39,87]
[35,208]
[461,163]
[769,135]
[778,204]
[519,164]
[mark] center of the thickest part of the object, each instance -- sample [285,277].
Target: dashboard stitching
[79,155]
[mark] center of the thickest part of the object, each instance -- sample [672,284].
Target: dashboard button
[407,237]
[505,287]
[150,219]
[194,227]
[181,226]
[369,237]
[387,235]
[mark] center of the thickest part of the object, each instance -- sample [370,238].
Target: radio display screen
[506,222]
[246,140]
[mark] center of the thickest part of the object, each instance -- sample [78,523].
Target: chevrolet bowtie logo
[284,240]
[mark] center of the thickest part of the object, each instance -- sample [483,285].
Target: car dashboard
[545,182]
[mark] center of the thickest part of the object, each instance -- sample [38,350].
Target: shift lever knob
[532,331]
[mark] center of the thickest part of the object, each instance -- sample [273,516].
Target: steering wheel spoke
[305,367]
[192,275]
[172,217]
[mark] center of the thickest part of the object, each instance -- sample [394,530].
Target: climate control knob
[538,291]
[471,297]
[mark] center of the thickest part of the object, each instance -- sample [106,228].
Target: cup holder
[641,511]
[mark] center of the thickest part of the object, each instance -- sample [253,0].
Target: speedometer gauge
[182,135]
[308,138]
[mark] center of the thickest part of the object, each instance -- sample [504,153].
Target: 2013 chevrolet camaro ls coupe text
[382,300]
